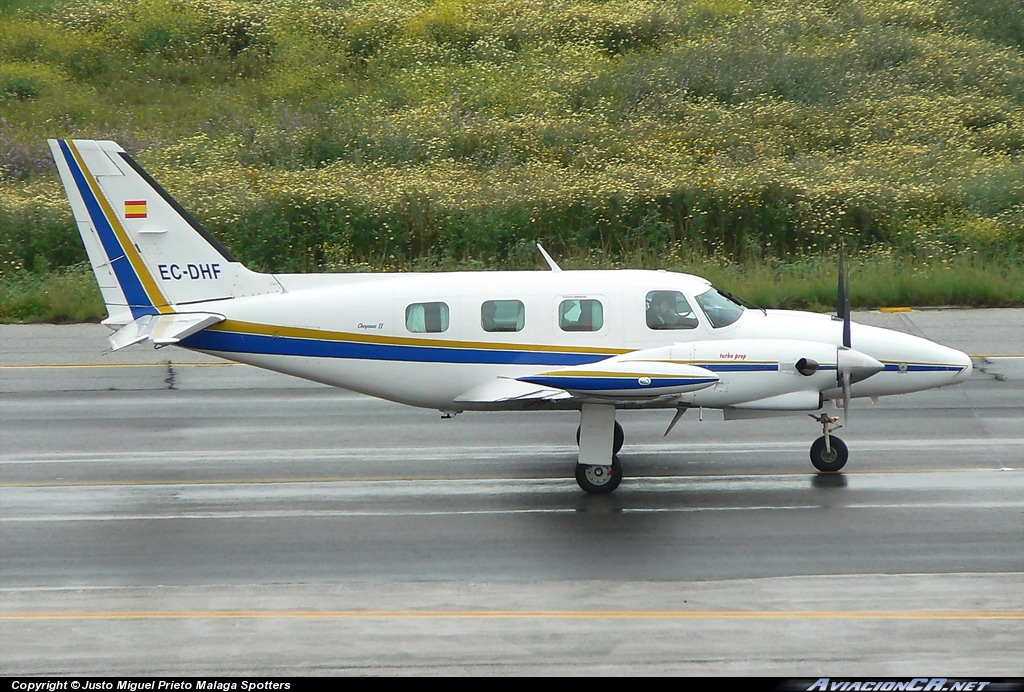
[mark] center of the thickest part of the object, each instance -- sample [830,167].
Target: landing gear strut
[828,453]
[617,440]
[600,437]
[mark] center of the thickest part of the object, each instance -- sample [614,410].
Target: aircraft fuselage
[360,332]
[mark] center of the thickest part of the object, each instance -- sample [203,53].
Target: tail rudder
[149,255]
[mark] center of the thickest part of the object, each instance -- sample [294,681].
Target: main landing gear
[600,437]
[828,453]
[596,478]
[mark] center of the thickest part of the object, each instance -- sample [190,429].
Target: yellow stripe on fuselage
[255,328]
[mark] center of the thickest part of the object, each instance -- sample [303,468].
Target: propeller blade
[841,288]
[843,296]
[846,397]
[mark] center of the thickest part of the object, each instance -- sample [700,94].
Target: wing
[632,377]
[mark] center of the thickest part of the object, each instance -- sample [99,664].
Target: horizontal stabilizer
[162,329]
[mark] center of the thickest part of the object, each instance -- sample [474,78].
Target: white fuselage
[423,339]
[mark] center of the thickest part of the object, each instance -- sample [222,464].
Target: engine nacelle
[621,378]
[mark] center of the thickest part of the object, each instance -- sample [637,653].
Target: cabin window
[502,315]
[581,315]
[426,317]
[669,310]
[720,309]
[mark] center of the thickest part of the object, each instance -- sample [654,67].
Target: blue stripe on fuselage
[612,383]
[259,344]
[738,367]
[922,367]
[229,342]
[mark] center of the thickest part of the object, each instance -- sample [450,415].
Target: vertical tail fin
[149,255]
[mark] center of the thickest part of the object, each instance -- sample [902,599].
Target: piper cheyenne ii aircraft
[592,341]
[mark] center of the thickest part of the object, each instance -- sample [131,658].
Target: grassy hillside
[413,134]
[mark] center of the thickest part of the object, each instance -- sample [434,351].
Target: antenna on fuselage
[547,258]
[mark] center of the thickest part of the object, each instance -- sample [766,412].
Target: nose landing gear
[828,453]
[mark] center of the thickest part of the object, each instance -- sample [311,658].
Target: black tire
[617,439]
[826,462]
[599,480]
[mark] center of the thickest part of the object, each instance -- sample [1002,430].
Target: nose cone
[960,360]
[912,363]
[859,366]
[934,365]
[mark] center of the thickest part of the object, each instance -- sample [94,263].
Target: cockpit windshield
[721,308]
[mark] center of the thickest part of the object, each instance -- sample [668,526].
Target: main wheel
[617,439]
[830,460]
[599,479]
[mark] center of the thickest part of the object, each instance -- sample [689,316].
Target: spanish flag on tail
[135,209]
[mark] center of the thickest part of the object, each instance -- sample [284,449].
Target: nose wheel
[828,452]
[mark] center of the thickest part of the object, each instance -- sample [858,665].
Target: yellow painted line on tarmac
[896,309]
[220,481]
[262,481]
[516,614]
[114,365]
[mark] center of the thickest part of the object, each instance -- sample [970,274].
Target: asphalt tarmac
[164,514]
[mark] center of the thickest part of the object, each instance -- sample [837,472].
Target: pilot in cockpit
[661,313]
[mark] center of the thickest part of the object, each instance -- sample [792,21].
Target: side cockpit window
[581,315]
[502,316]
[721,309]
[669,310]
[423,318]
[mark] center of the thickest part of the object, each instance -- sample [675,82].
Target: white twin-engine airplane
[592,341]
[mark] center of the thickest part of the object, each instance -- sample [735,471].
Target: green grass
[71,295]
[455,133]
[874,283]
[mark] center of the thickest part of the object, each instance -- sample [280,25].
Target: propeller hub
[856,366]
